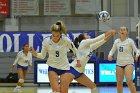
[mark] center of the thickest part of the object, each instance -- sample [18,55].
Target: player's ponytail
[78,40]
[62,27]
[59,26]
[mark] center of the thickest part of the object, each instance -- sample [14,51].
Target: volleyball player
[24,65]
[57,46]
[125,61]
[85,47]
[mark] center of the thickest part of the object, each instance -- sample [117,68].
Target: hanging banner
[25,7]
[87,6]
[4,7]
[13,41]
[57,7]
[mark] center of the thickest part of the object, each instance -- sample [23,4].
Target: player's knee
[21,80]
[56,89]
[65,83]
[93,85]
[128,82]
[120,82]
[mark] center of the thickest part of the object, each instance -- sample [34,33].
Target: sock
[94,90]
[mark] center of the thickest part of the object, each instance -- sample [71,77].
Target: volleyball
[104,16]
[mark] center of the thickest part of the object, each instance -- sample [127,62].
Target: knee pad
[21,80]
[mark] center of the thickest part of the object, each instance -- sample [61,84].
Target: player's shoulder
[65,38]
[20,52]
[117,40]
[130,39]
[83,43]
[47,38]
[30,54]
[85,40]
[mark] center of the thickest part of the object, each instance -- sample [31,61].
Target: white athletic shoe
[17,90]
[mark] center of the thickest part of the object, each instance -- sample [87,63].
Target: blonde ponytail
[63,27]
[59,26]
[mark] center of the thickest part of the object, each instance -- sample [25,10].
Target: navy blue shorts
[123,67]
[58,71]
[75,73]
[22,67]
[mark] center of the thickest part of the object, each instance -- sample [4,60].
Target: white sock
[94,90]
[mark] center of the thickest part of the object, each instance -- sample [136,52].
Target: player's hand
[78,63]
[114,32]
[11,70]
[31,49]
[136,58]
[29,69]
[110,58]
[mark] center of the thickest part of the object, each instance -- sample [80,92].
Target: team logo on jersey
[26,61]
